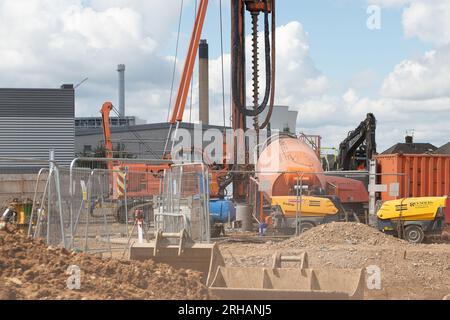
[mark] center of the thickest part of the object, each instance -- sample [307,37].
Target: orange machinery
[142,180]
[221,173]
[288,161]
[285,160]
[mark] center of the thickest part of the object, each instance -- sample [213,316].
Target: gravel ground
[408,271]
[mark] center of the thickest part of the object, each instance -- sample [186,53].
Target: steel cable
[175,61]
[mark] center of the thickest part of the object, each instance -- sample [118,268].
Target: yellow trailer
[312,211]
[413,218]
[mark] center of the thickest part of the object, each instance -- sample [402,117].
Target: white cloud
[416,93]
[158,17]
[350,97]
[429,20]
[47,43]
[296,71]
[364,79]
[297,77]
[389,3]
[425,78]
[401,106]
[333,118]
[110,29]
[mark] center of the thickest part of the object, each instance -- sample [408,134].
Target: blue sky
[341,45]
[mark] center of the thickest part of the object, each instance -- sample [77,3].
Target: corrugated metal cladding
[421,175]
[54,103]
[33,121]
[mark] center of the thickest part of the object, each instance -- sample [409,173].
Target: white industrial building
[283,119]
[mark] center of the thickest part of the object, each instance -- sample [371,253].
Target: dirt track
[408,271]
[30,270]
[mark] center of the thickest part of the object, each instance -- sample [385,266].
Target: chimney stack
[121,70]
[409,139]
[204,82]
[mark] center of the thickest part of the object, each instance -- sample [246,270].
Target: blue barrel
[221,210]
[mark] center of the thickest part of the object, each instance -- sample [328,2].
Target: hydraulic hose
[239,65]
[272,92]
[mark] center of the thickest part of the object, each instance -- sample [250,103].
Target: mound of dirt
[340,233]
[31,270]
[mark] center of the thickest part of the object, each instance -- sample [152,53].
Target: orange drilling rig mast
[106,110]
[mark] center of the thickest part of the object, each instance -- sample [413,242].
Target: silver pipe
[34,200]
[41,209]
[126,201]
[58,194]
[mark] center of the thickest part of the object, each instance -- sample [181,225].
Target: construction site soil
[407,271]
[31,270]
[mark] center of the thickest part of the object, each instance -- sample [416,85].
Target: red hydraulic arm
[106,110]
[183,90]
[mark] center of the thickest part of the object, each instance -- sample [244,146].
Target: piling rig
[240,114]
[201,256]
[178,250]
[222,174]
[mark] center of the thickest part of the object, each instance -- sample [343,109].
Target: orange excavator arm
[106,110]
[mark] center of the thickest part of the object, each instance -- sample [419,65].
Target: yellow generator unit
[17,213]
[413,218]
[313,211]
